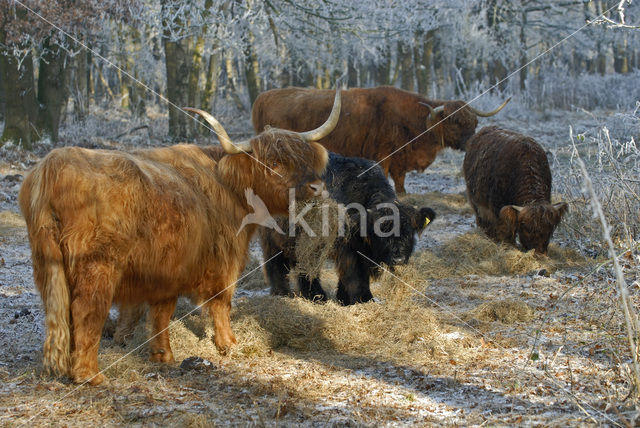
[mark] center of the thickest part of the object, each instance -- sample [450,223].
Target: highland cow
[384,124]
[509,187]
[365,245]
[113,227]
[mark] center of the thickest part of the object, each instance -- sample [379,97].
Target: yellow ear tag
[426,222]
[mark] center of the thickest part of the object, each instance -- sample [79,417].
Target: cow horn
[489,113]
[329,125]
[432,111]
[223,137]
[517,208]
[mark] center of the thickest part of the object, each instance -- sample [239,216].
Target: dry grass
[323,217]
[475,254]
[412,334]
[506,311]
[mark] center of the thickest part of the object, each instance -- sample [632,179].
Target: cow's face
[454,124]
[282,162]
[398,247]
[535,224]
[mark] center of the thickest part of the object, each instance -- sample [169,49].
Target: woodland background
[219,54]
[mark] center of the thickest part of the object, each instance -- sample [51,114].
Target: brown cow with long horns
[108,226]
[384,124]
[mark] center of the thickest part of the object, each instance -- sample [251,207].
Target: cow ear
[422,218]
[508,223]
[561,207]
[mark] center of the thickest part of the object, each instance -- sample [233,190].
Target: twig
[131,131]
[627,306]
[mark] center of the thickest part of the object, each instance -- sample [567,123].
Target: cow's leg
[219,308]
[311,290]
[353,282]
[398,180]
[128,319]
[90,302]
[160,313]
[276,271]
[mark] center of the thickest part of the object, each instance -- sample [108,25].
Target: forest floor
[468,333]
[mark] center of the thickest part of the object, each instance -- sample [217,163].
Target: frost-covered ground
[566,364]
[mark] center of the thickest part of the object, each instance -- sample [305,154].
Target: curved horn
[489,113]
[223,137]
[517,208]
[329,125]
[432,111]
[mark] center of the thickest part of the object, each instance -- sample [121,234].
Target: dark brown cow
[108,226]
[374,124]
[509,187]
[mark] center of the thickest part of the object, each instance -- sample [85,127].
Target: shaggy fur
[354,269]
[373,123]
[504,169]
[112,227]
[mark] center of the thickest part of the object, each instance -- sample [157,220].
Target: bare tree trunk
[523,51]
[438,68]
[405,58]
[104,84]
[423,62]
[232,82]
[251,68]
[125,101]
[21,106]
[177,69]
[52,89]
[352,72]
[90,81]
[3,98]
[620,60]
[211,83]
[194,72]
[79,85]
[384,67]
[135,91]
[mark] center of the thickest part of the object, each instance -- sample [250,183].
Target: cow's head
[396,248]
[275,161]
[534,224]
[454,122]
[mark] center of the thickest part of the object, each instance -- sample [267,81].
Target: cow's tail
[48,264]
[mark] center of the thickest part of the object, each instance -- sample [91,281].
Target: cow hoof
[224,348]
[91,379]
[161,356]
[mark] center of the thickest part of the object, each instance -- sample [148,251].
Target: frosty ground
[469,333]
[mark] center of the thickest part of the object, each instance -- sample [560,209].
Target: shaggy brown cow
[375,123]
[509,186]
[108,226]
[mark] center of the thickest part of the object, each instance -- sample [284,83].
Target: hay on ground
[506,311]
[399,330]
[475,254]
